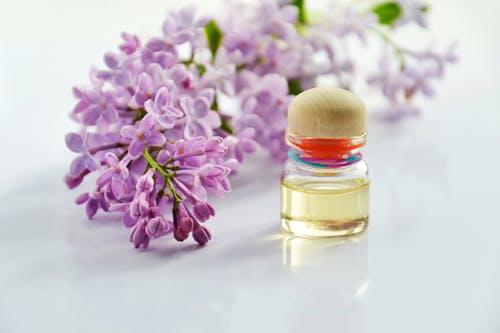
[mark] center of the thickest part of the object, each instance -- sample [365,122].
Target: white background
[429,262]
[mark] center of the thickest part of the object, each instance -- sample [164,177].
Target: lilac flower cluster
[400,80]
[167,119]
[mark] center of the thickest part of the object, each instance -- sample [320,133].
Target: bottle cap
[327,112]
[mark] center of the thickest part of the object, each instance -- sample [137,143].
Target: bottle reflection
[331,273]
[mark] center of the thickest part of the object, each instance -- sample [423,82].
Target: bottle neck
[325,152]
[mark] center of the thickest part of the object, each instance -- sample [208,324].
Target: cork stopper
[327,112]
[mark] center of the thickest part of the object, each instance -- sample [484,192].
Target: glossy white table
[428,263]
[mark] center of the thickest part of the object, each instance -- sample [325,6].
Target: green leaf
[201,69]
[294,86]
[226,126]
[302,10]
[214,36]
[387,12]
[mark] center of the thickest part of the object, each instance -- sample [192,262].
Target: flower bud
[201,234]
[203,211]
[139,237]
[157,227]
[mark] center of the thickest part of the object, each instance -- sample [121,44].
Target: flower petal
[162,96]
[156,44]
[74,142]
[118,187]
[77,166]
[128,132]
[182,36]
[111,60]
[109,114]
[90,115]
[105,177]
[135,149]
[91,207]
[186,104]
[200,107]
[128,220]
[156,139]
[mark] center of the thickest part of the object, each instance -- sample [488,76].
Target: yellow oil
[324,209]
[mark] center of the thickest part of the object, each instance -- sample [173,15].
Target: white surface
[429,262]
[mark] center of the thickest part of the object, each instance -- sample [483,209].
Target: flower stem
[138,113]
[167,176]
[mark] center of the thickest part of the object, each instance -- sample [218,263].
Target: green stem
[151,161]
[177,197]
[167,176]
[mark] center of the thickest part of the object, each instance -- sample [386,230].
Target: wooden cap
[327,112]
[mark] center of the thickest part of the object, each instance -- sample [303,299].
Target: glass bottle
[324,183]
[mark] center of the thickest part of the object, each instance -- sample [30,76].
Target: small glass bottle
[324,183]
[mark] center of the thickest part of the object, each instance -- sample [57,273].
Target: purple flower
[214,178]
[116,72]
[115,175]
[131,43]
[93,201]
[165,58]
[73,181]
[214,148]
[140,206]
[85,161]
[161,109]
[240,45]
[157,227]
[200,119]
[144,133]
[145,90]
[221,77]
[413,10]
[203,211]
[352,21]
[183,26]
[189,151]
[242,143]
[96,105]
[139,237]
[278,20]
[201,234]
[183,223]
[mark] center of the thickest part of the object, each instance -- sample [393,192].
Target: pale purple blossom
[139,236]
[131,43]
[85,161]
[116,71]
[162,110]
[413,11]
[97,105]
[201,120]
[115,175]
[144,134]
[242,143]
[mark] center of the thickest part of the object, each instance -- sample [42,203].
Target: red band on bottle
[326,148]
